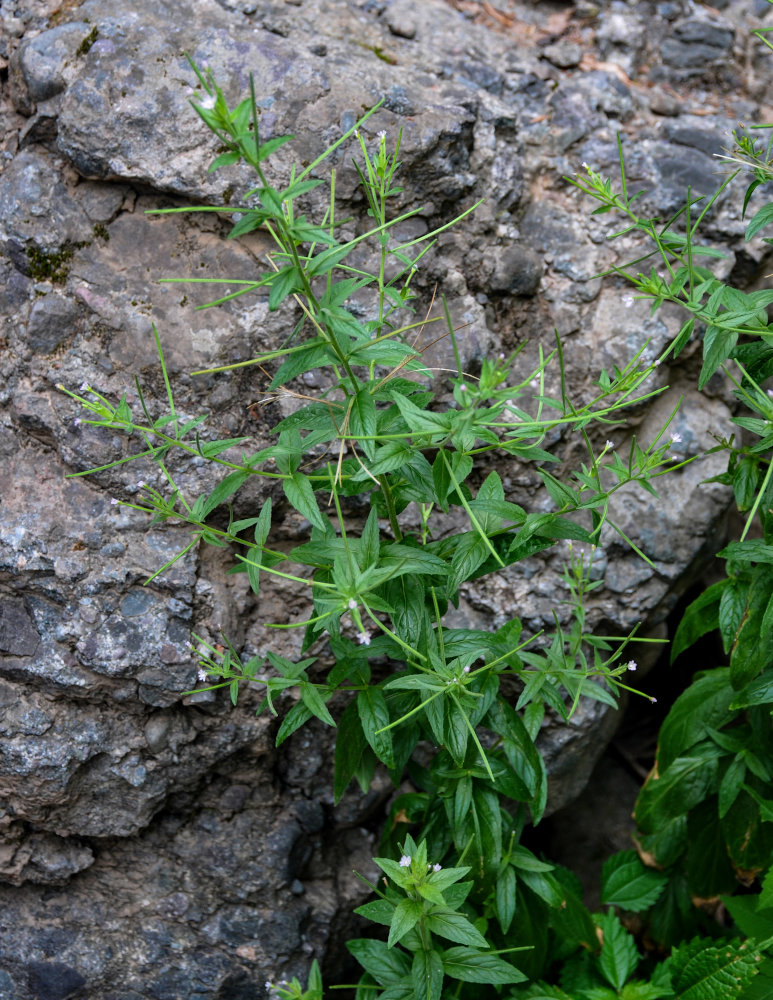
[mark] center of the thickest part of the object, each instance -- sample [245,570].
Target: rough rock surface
[154,845]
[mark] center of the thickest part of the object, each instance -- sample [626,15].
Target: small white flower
[405,861]
[208,102]
[381,134]
[202,675]
[674,458]
[609,445]
[356,133]
[363,638]
[631,665]
[352,604]
[462,387]
[676,438]
[656,362]
[467,669]
[501,356]
[585,165]
[436,868]
[628,301]
[141,484]
[113,502]
[76,422]
[770,393]
[654,701]
[84,387]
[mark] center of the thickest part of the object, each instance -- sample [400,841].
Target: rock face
[154,845]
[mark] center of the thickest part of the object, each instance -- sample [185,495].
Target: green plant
[412,512]
[705,815]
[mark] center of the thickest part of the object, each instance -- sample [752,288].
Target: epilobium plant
[380,584]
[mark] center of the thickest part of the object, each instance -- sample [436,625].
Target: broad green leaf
[456,732]
[731,610]
[386,965]
[374,716]
[709,871]
[224,489]
[759,220]
[295,718]
[753,650]
[299,492]
[285,281]
[701,616]
[758,692]
[710,972]
[618,957]
[454,927]
[350,743]
[627,883]
[380,911]
[505,898]
[730,785]
[471,966]
[427,974]
[362,419]
[407,914]
[315,354]
[685,783]
[313,700]
[703,706]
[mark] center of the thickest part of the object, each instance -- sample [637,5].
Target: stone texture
[155,845]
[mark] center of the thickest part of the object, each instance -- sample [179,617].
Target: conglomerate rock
[156,845]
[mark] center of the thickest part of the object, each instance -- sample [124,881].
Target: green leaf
[224,489]
[730,785]
[702,971]
[471,966]
[709,870]
[419,420]
[362,419]
[407,914]
[627,883]
[759,220]
[350,743]
[685,783]
[717,345]
[427,975]
[731,609]
[374,716]
[470,553]
[315,703]
[295,718]
[299,492]
[262,529]
[315,354]
[380,911]
[701,616]
[753,649]
[750,919]
[386,965]
[751,550]
[704,705]
[758,692]
[618,957]
[455,927]
[285,281]
[505,898]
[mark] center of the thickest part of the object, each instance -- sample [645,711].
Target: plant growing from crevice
[470,909]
